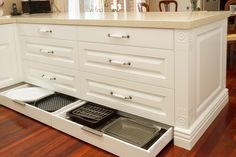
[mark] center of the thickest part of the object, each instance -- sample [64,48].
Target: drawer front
[155,38]
[58,79]
[48,31]
[7,102]
[151,66]
[50,51]
[26,109]
[139,99]
[108,143]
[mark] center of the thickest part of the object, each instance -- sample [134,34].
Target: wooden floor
[23,137]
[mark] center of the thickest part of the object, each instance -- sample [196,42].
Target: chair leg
[228,58]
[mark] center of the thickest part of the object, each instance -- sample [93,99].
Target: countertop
[176,20]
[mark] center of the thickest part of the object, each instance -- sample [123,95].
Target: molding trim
[186,138]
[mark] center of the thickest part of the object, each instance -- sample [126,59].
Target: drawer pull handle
[45,31]
[49,78]
[120,96]
[119,62]
[47,51]
[19,102]
[95,132]
[118,36]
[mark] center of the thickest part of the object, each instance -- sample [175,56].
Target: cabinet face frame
[9,56]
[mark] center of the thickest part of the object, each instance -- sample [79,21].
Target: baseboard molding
[187,138]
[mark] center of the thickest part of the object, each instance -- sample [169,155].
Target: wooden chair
[167,4]
[142,6]
[228,3]
[231,37]
[231,51]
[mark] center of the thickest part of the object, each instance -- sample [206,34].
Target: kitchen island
[166,67]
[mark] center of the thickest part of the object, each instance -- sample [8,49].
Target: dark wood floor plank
[21,136]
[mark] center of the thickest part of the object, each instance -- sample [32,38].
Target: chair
[231,51]
[231,37]
[141,7]
[228,3]
[166,4]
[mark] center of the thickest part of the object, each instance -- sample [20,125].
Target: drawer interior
[51,103]
[138,121]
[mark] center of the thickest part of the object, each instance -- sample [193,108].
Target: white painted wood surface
[153,38]
[9,72]
[48,31]
[63,80]
[61,53]
[145,65]
[148,101]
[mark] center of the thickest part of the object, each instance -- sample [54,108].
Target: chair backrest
[228,3]
[166,4]
[143,5]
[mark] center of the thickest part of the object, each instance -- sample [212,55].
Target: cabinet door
[8,61]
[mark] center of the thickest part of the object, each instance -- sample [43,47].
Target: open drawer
[27,109]
[107,142]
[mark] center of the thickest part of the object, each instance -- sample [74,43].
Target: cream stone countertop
[176,20]
[6,20]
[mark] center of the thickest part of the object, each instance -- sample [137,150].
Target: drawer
[58,79]
[145,65]
[29,110]
[51,51]
[109,143]
[139,99]
[155,38]
[48,31]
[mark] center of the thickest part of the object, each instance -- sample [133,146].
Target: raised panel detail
[8,61]
[145,65]
[209,67]
[144,100]
[59,79]
[50,51]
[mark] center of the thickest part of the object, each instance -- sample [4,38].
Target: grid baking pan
[54,102]
[131,131]
[91,114]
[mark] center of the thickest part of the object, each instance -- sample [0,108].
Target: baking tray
[91,114]
[131,131]
[54,102]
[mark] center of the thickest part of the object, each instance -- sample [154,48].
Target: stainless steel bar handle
[95,132]
[41,30]
[48,78]
[120,96]
[119,62]
[46,51]
[19,102]
[118,36]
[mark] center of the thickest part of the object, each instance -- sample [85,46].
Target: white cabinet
[8,56]
[172,76]
[50,57]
